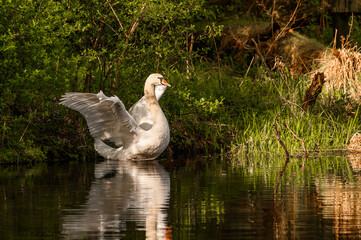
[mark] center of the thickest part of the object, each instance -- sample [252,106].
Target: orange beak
[165,83]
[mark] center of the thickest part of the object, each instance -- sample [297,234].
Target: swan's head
[156,79]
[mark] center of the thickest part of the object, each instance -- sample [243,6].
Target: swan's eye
[161,79]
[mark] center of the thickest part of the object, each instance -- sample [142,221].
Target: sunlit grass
[238,118]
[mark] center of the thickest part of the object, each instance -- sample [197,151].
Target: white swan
[108,119]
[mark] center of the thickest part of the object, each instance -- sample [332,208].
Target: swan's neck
[150,99]
[153,105]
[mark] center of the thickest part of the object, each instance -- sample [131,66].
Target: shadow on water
[219,199]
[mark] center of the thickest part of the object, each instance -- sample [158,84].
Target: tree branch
[287,155]
[303,146]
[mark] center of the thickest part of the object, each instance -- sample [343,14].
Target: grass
[233,120]
[238,118]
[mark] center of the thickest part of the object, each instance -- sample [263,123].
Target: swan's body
[140,112]
[108,119]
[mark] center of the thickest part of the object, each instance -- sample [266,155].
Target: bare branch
[27,126]
[279,175]
[278,136]
[136,20]
[303,145]
[4,128]
[116,16]
[286,153]
[285,27]
[121,57]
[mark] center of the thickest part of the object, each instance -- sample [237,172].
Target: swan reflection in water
[122,193]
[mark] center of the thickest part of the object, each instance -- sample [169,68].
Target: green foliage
[50,47]
[324,129]
[355,36]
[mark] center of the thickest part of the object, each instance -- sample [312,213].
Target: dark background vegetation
[216,104]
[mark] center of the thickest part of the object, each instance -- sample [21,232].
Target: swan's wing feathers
[140,112]
[106,117]
[119,112]
[122,114]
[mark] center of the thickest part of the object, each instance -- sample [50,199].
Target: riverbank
[223,100]
[212,111]
[242,119]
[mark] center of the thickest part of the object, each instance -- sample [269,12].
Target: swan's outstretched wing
[106,117]
[139,111]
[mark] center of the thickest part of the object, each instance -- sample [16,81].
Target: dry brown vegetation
[270,42]
[276,48]
[342,69]
[355,143]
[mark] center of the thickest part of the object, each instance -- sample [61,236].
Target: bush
[50,47]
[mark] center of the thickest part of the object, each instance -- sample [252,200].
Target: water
[222,199]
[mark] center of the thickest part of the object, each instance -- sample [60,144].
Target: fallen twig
[247,71]
[303,146]
[287,155]
[279,175]
[286,152]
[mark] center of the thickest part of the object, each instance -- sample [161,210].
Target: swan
[108,119]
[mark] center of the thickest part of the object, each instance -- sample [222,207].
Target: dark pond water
[221,199]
